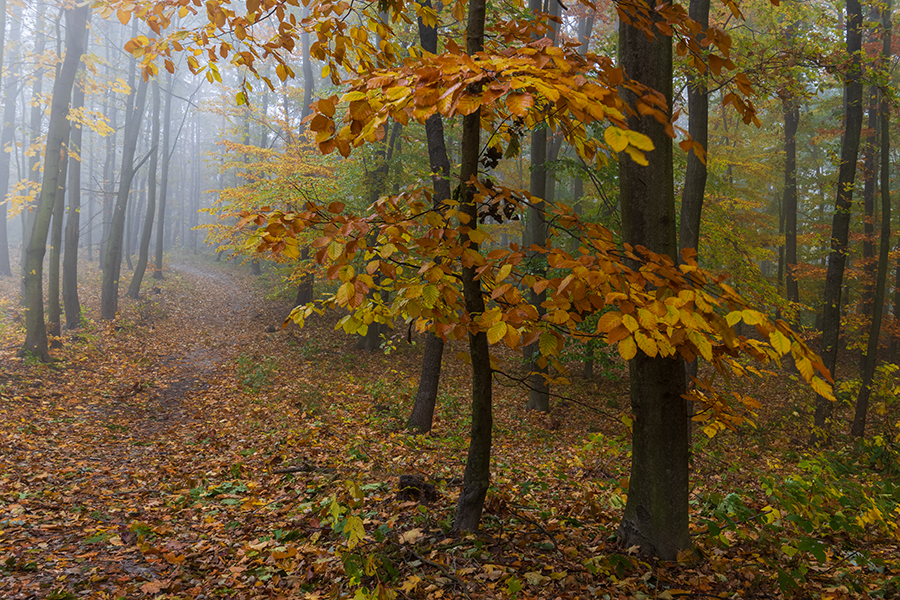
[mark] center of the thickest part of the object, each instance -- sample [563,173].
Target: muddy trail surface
[104,453]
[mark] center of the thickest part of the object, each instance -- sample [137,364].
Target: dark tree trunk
[477,477]
[695,175]
[134,290]
[840,226]
[58,129]
[536,235]
[869,361]
[789,204]
[656,512]
[870,185]
[422,416]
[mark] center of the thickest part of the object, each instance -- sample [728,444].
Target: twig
[437,566]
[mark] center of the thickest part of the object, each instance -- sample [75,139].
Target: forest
[465,299]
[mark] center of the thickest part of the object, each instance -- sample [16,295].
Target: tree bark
[869,360]
[134,290]
[70,260]
[422,417]
[870,185]
[164,180]
[840,226]
[477,476]
[656,512]
[10,89]
[35,328]
[109,296]
[789,205]
[54,310]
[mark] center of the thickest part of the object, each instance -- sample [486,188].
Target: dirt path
[92,449]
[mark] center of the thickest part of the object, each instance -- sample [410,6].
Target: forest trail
[96,446]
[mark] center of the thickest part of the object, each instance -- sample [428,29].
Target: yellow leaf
[780,342]
[639,140]
[503,273]
[497,332]
[637,156]
[646,344]
[805,368]
[609,321]
[410,584]
[354,530]
[630,323]
[752,317]
[822,388]
[627,348]
[344,293]
[615,138]
[547,344]
[353,96]
[733,318]
[124,16]
[647,319]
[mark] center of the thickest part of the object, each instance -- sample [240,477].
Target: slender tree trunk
[29,211]
[35,328]
[870,185]
[840,226]
[134,290]
[109,298]
[656,512]
[536,235]
[54,309]
[422,416]
[477,477]
[164,180]
[70,261]
[870,359]
[10,90]
[789,204]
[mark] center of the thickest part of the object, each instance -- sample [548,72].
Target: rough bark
[134,290]
[840,226]
[477,476]
[656,512]
[58,129]
[869,361]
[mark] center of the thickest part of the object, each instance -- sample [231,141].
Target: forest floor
[194,448]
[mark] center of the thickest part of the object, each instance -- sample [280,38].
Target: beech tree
[35,328]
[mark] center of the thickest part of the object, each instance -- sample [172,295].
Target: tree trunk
[164,180]
[868,372]
[477,477]
[70,261]
[656,512]
[870,185]
[34,129]
[789,204]
[35,328]
[536,235]
[109,296]
[840,226]
[422,416]
[109,167]
[10,89]
[54,310]
[134,290]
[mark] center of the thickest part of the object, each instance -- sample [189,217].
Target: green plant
[255,374]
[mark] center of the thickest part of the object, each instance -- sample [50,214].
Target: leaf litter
[195,449]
